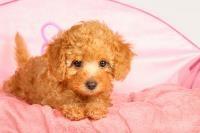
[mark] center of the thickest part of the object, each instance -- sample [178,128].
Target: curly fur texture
[52,79]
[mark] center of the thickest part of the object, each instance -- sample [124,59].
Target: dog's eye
[77,63]
[103,63]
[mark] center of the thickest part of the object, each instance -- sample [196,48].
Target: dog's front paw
[73,112]
[94,112]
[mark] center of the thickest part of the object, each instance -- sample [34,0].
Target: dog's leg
[97,107]
[73,111]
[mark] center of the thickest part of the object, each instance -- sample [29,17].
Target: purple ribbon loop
[46,41]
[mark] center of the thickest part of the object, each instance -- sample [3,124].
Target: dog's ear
[56,59]
[122,59]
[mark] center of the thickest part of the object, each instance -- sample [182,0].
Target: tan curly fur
[52,79]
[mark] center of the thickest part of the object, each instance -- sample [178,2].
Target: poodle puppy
[76,72]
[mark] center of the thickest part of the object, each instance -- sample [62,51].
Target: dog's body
[76,72]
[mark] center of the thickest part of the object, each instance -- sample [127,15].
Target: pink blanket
[161,109]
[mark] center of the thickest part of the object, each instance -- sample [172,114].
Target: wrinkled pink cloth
[161,109]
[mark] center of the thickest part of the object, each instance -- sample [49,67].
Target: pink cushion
[162,109]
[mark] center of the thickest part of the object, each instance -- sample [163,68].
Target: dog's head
[88,56]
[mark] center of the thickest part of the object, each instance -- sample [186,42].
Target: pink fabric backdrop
[161,52]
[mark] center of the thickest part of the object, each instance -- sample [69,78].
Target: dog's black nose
[91,85]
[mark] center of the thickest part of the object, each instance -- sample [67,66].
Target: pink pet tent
[164,56]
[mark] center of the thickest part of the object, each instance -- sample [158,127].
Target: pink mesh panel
[161,51]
